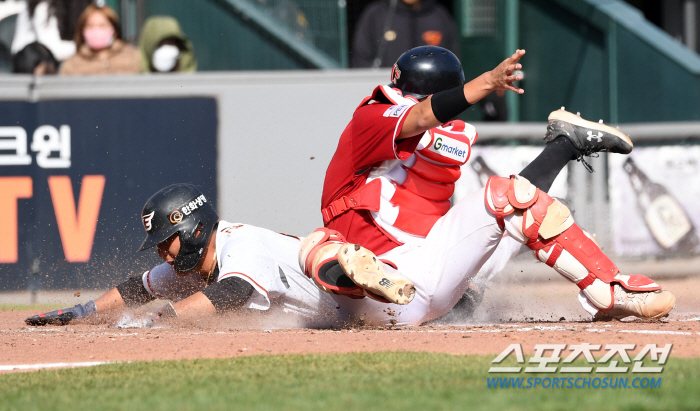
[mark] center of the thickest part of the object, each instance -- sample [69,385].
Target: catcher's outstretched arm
[444,106]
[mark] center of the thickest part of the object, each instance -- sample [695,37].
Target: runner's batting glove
[64,316]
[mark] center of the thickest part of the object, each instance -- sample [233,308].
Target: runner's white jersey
[265,259]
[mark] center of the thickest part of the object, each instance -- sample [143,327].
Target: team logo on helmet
[175,217]
[395,73]
[147,220]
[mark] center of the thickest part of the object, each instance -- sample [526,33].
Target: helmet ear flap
[194,241]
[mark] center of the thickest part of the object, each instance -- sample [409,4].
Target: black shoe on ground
[467,305]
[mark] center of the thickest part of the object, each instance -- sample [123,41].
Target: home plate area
[507,316]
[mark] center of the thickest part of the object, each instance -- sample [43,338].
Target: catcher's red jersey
[367,141]
[382,193]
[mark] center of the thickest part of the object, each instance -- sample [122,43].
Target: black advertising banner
[74,175]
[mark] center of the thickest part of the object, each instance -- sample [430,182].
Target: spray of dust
[129,320]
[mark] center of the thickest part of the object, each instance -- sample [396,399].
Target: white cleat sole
[571,118]
[365,270]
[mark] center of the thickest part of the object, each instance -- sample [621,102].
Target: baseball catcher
[389,227]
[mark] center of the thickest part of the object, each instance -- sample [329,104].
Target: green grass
[26,307]
[363,381]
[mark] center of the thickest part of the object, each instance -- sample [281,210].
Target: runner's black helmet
[181,209]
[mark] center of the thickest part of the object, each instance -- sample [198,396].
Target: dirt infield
[506,316]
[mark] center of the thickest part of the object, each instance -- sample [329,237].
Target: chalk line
[50,365]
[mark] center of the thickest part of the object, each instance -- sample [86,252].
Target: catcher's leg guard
[546,226]
[338,267]
[318,259]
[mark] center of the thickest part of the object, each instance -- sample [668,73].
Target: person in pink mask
[100,49]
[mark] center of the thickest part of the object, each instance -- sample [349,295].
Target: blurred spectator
[51,23]
[34,59]
[165,47]
[8,19]
[387,28]
[100,48]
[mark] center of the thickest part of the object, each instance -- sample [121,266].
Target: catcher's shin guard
[338,267]
[547,227]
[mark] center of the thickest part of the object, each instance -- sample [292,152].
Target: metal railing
[312,31]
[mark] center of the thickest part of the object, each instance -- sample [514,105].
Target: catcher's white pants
[455,250]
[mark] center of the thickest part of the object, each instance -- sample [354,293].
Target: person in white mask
[100,49]
[165,47]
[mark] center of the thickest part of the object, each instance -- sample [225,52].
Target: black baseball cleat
[470,300]
[587,137]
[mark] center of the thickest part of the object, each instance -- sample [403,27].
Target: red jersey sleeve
[374,132]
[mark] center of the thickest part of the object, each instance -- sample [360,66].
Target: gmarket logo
[457,152]
[547,358]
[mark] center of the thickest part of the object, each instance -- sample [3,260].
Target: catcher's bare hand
[502,77]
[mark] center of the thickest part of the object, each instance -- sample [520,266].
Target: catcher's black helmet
[179,208]
[426,70]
